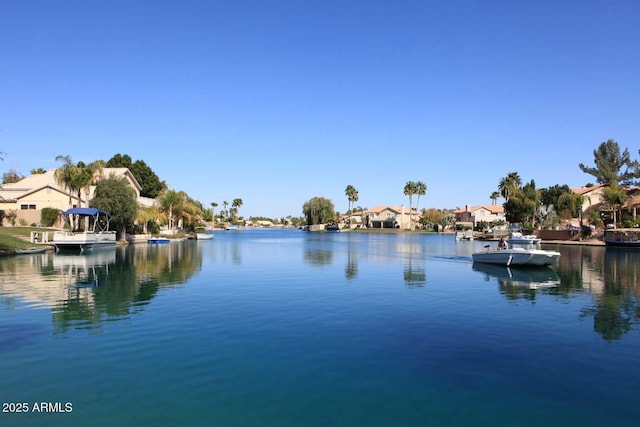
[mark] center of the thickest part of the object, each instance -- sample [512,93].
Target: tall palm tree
[352,197]
[236,205]
[410,189]
[66,176]
[421,190]
[214,205]
[226,213]
[87,174]
[169,202]
[509,185]
[494,198]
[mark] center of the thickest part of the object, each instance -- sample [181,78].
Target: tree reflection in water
[116,285]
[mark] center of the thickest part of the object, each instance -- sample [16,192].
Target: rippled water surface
[287,328]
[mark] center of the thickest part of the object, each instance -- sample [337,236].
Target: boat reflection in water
[521,277]
[89,269]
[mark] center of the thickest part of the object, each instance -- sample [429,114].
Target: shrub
[49,216]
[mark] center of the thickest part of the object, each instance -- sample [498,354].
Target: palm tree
[214,205]
[236,205]
[87,175]
[494,198]
[410,189]
[509,185]
[226,213]
[352,196]
[66,176]
[421,190]
[615,196]
[169,201]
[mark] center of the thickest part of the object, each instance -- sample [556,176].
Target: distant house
[483,213]
[391,217]
[31,194]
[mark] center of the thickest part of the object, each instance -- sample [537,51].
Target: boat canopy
[85,211]
[100,221]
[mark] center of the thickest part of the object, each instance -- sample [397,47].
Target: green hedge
[49,216]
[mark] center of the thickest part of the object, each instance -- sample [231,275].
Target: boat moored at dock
[96,233]
[622,237]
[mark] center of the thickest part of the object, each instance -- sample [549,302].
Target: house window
[25,207]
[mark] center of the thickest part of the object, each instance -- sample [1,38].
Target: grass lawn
[15,238]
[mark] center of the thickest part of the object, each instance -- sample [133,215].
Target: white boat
[96,233]
[466,235]
[204,236]
[521,239]
[516,256]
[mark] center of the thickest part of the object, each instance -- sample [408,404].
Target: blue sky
[275,102]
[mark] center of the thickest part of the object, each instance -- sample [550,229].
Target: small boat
[96,234]
[516,256]
[520,239]
[464,235]
[204,236]
[30,251]
[158,240]
[622,237]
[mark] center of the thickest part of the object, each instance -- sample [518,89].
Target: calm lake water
[287,328]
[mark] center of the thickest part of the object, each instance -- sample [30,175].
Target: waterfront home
[483,213]
[594,200]
[392,217]
[31,194]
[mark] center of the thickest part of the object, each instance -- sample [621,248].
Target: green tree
[87,174]
[549,196]
[169,202]
[421,190]
[352,196]
[318,210]
[66,176]
[235,204]
[509,185]
[214,205]
[11,176]
[612,166]
[615,196]
[410,189]
[494,198]
[37,171]
[150,184]
[147,178]
[115,196]
[76,177]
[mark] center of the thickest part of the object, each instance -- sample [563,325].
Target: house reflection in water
[84,291]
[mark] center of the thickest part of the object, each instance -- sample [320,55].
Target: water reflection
[616,309]
[513,280]
[318,250]
[84,291]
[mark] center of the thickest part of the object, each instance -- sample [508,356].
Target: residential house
[31,194]
[392,217]
[594,200]
[472,215]
[593,196]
